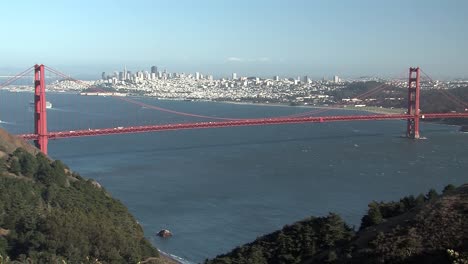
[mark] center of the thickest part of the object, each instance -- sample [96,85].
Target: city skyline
[155,72]
[264,38]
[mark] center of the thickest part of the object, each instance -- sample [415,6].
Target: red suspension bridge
[41,135]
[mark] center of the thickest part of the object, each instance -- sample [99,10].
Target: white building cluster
[203,87]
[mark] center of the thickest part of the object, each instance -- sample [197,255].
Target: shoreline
[371,109]
[172,259]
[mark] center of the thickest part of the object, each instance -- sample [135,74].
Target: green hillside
[429,228]
[49,214]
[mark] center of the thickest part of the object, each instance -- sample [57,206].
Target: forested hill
[49,214]
[430,228]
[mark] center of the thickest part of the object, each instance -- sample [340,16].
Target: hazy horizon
[261,38]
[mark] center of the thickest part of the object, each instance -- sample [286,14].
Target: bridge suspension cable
[449,96]
[16,77]
[170,110]
[361,96]
[40,116]
[364,95]
[138,102]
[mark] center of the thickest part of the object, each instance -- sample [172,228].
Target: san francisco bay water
[216,189]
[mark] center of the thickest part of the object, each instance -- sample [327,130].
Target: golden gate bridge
[41,135]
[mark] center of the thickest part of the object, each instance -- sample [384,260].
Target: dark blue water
[218,188]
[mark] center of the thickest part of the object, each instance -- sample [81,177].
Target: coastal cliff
[49,214]
[429,228]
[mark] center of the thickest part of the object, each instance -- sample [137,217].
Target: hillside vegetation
[432,101]
[429,228]
[49,214]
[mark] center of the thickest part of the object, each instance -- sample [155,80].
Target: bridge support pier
[40,109]
[412,129]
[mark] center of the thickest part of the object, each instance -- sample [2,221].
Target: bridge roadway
[234,123]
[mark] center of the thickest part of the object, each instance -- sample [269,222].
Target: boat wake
[7,123]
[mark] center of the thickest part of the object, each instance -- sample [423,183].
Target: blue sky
[250,37]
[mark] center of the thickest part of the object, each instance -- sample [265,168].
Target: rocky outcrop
[4,232]
[164,233]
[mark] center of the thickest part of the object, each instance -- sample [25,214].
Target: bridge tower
[414,88]
[40,114]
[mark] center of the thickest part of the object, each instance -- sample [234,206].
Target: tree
[449,188]
[420,200]
[431,195]
[373,216]
[28,164]
[256,256]
[15,166]
[2,165]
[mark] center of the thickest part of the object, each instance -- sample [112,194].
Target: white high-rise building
[336,79]
[234,76]
[276,78]
[197,76]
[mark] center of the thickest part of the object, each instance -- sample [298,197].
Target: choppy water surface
[218,188]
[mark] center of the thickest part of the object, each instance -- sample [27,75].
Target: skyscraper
[306,79]
[154,69]
[234,76]
[103,76]
[336,79]
[125,73]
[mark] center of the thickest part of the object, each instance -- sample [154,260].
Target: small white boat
[48,104]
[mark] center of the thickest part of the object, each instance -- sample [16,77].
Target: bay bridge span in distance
[41,135]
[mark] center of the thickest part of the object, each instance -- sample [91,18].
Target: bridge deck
[234,123]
